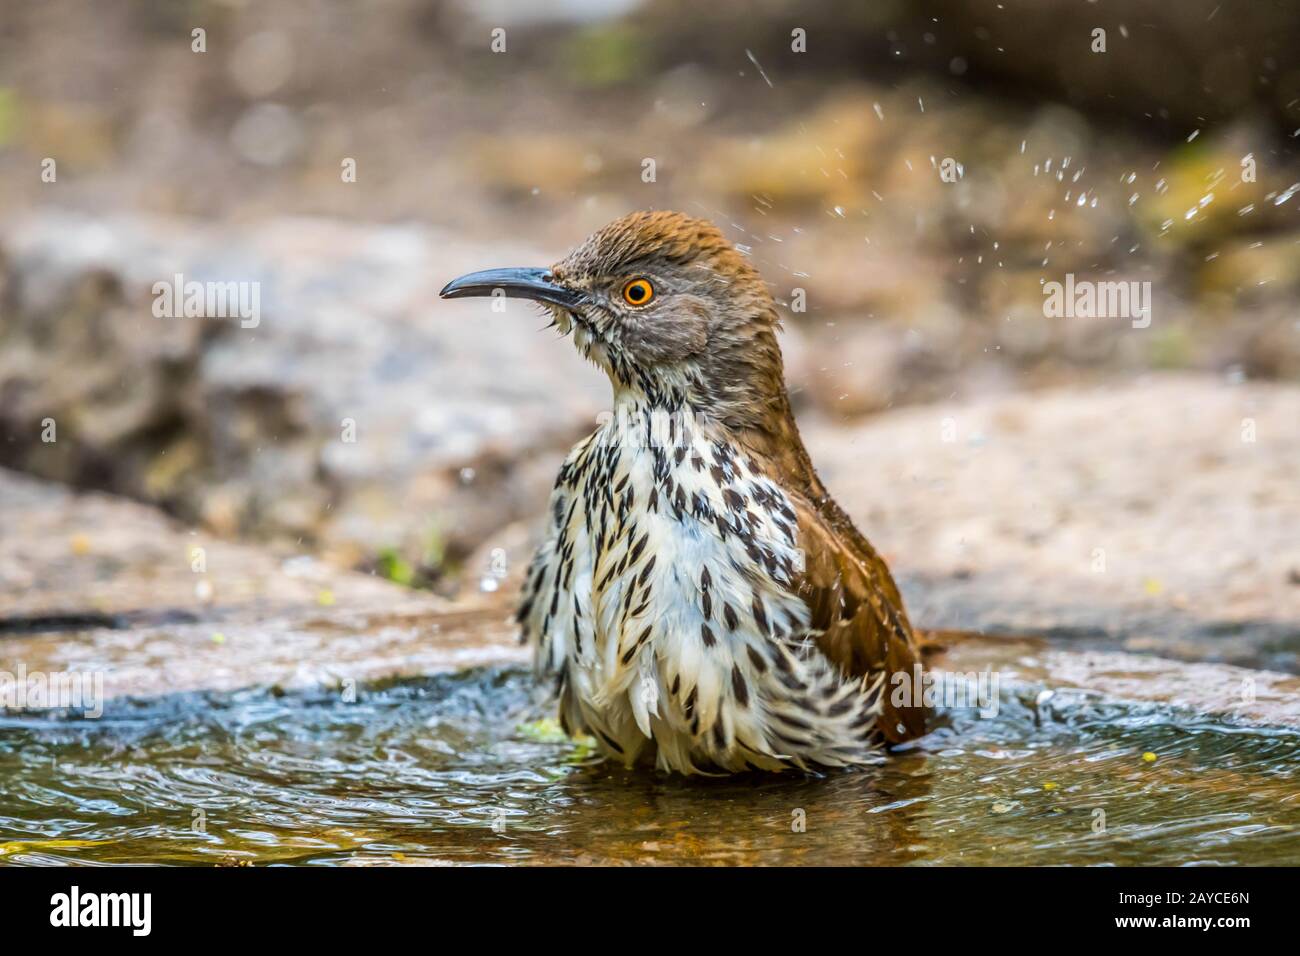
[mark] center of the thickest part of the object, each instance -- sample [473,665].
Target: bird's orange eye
[638,292]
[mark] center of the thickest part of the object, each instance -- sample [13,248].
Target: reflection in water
[440,769]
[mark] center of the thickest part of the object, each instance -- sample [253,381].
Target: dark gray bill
[515,284]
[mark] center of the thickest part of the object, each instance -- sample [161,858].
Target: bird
[699,601]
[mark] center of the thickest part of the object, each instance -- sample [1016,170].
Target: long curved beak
[532,284]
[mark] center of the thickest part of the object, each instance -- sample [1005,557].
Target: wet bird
[699,599]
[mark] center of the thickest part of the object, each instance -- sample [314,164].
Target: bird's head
[667,307]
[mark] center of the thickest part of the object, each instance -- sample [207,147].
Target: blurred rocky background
[1164,149]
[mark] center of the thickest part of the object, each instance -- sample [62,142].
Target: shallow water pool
[462,769]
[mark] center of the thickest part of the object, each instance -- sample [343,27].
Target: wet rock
[69,552]
[1161,516]
[330,647]
[93,583]
[1254,697]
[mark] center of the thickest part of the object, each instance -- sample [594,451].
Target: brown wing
[855,603]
